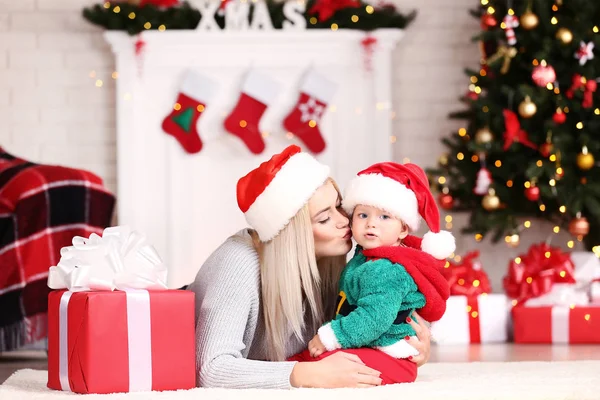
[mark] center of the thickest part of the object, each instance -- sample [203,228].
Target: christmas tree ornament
[195,93]
[532,193]
[513,132]
[511,22]
[585,160]
[529,20]
[488,21]
[258,92]
[484,136]
[482,182]
[543,74]
[446,201]
[506,54]
[443,160]
[527,108]
[588,86]
[513,240]
[564,35]
[585,52]
[471,95]
[546,149]
[490,201]
[303,121]
[579,226]
[559,117]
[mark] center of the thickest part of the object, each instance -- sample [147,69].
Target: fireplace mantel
[185,203]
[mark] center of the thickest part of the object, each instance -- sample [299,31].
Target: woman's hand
[340,370]
[423,341]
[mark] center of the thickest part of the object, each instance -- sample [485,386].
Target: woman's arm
[423,341]
[227,306]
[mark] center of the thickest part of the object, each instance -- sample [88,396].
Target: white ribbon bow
[561,294]
[120,259]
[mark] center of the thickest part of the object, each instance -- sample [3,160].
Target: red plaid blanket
[41,208]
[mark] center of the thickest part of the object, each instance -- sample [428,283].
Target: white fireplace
[186,203]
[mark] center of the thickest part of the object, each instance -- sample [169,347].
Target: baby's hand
[315,347]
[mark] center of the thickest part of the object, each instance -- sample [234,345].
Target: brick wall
[52,111]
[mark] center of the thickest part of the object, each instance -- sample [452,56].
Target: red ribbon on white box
[139,340]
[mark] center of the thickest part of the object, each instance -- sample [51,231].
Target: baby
[391,273]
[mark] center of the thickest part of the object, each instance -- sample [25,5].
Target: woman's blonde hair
[298,292]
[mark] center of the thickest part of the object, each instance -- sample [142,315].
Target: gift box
[473,319]
[551,296]
[117,328]
[473,315]
[556,324]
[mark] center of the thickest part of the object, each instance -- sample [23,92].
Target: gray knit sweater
[230,329]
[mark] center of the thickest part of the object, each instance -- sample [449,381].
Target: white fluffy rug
[575,380]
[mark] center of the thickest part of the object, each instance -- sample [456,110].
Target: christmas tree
[532,129]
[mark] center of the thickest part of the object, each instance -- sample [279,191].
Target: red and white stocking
[195,93]
[258,92]
[316,92]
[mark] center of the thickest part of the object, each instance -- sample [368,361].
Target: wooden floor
[11,362]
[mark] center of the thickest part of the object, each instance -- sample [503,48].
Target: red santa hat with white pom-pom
[403,191]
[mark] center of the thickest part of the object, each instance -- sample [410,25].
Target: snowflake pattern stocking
[316,92]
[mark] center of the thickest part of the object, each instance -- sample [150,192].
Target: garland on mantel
[134,19]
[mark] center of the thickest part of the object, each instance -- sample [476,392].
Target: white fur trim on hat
[379,191]
[440,245]
[328,338]
[286,194]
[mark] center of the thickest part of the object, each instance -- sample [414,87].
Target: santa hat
[403,191]
[272,194]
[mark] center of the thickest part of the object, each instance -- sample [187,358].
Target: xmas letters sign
[237,15]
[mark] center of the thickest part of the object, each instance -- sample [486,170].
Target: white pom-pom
[440,245]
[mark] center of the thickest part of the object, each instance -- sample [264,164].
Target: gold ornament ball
[484,135]
[564,35]
[527,108]
[529,20]
[490,202]
[513,240]
[443,160]
[579,226]
[585,161]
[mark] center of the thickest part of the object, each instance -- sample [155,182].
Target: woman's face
[330,224]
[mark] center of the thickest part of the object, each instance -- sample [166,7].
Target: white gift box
[486,316]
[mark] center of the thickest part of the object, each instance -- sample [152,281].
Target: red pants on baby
[393,370]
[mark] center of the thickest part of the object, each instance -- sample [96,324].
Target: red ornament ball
[546,149]
[532,193]
[472,95]
[559,117]
[446,201]
[543,75]
[488,21]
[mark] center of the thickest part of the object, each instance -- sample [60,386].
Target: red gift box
[121,341]
[557,324]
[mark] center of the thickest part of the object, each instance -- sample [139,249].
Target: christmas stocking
[196,91]
[258,92]
[315,93]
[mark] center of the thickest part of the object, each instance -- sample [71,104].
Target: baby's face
[372,227]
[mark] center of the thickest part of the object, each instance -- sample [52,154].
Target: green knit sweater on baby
[375,298]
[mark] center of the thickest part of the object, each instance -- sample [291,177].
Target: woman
[262,295]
